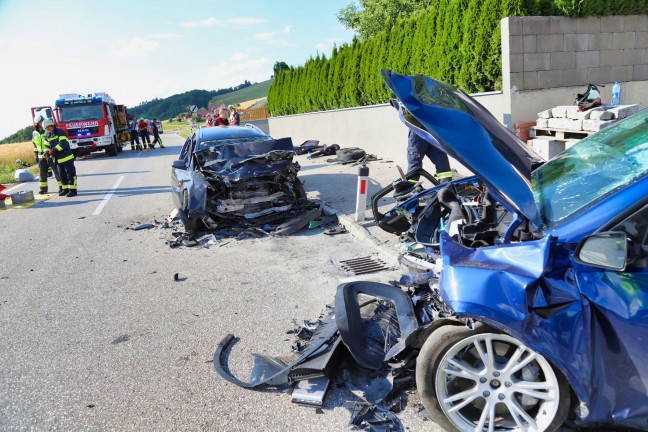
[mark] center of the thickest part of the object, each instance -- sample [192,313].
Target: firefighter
[134,135]
[144,135]
[156,135]
[60,149]
[43,159]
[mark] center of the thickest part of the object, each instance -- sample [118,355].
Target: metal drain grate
[363,265]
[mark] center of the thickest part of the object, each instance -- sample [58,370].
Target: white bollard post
[361,196]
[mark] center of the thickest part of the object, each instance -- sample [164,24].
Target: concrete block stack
[561,127]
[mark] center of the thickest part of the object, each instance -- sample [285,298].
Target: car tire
[458,398]
[192,224]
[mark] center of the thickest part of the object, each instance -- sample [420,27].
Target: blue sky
[138,50]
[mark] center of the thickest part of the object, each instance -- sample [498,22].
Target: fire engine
[93,122]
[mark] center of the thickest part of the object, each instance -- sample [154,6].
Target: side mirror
[608,250]
[179,164]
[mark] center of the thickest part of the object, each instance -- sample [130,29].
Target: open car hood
[461,127]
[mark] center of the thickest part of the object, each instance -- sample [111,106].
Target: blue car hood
[460,126]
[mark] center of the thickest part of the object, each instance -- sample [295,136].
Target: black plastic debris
[324,221]
[320,358]
[307,147]
[372,418]
[120,339]
[143,227]
[372,386]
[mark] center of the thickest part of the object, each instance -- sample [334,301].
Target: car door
[180,172]
[618,309]
[45,111]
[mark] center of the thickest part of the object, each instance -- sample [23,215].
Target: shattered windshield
[212,145]
[593,168]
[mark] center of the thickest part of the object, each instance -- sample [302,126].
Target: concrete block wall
[547,61]
[549,52]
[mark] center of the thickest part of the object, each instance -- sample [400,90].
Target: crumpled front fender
[521,289]
[195,187]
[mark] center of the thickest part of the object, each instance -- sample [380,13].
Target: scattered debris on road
[368,341]
[120,339]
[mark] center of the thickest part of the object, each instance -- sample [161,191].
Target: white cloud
[211,21]
[202,23]
[166,36]
[265,36]
[287,28]
[245,21]
[240,56]
[274,38]
[134,47]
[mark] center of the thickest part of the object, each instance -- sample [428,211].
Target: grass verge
[9,153]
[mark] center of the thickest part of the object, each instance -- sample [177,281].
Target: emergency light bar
[74,97]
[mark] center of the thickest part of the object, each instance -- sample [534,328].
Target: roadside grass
[9,153]
[182,128]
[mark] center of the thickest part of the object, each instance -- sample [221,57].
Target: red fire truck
[93,122]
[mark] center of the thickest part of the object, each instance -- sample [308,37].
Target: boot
[72,193]
[42,191]
[63,192]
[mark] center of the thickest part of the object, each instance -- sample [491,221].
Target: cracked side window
[636,229]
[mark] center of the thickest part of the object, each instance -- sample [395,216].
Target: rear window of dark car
[208,144]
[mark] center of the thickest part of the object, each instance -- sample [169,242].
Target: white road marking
[110,193]
[16,187]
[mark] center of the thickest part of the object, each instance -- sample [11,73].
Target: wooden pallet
[561,134]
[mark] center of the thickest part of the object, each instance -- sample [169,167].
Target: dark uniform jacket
[58,142]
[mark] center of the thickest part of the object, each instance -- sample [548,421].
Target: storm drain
[363,265]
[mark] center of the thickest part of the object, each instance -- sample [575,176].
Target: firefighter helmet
[38,118]
[48,122]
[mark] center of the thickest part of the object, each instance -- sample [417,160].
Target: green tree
[373,16]
[279,67]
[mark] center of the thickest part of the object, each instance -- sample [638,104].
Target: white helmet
[38,118]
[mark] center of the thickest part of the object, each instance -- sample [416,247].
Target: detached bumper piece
[319,360]
[371,331]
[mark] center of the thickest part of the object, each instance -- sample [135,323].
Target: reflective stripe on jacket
[38,139]
[58,142]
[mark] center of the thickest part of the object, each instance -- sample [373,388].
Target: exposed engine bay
[465,209]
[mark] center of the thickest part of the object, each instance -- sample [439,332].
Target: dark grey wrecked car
[239,177]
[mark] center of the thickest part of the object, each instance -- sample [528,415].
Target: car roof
[217,133]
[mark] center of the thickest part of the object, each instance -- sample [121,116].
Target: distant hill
[172,106]
[21,136]
[175,105]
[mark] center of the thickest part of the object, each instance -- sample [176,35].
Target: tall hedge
[456,41]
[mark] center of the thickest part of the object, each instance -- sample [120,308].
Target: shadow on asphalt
[99,193]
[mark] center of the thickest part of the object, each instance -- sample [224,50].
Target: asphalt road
[96,334]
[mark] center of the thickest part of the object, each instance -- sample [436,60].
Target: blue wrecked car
[527,305]
[544,265]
